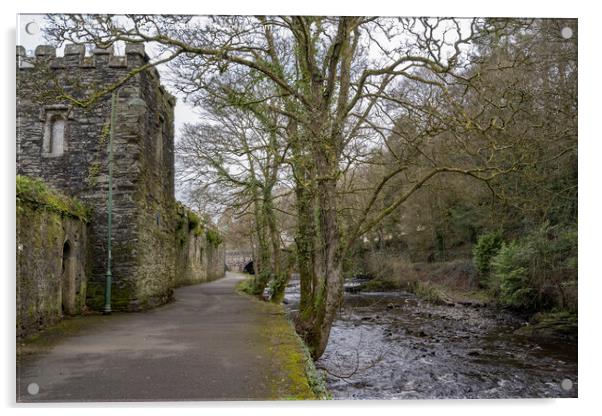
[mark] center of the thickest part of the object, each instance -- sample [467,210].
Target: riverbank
[434,293]
[291,357]
[395,345]
[429,284]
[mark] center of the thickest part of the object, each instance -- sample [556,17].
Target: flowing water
[394,346]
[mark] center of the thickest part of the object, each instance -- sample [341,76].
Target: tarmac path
[206,345]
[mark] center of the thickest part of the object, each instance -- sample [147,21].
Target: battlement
[75,57]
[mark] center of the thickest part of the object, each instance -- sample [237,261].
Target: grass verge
[293,373]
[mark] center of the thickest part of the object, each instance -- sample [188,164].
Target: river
[392,345]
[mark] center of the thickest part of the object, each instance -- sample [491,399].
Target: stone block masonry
[200,251]
[62,139]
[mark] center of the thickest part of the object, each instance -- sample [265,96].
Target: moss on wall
[52,256]
[36,192]
[200,253]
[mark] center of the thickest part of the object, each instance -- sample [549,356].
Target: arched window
[54,135]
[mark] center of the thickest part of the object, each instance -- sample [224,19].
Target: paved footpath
[209,344]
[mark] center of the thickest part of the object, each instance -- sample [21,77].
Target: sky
[29,35]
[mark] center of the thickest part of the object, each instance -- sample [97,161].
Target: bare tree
[239,155]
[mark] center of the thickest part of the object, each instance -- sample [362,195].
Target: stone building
[64,144]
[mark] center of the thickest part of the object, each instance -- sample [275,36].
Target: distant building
[236,260]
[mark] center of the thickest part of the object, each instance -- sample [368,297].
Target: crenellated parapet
[75,57]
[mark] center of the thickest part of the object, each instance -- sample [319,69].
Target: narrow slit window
[54,135]
[159,143]
[57,136]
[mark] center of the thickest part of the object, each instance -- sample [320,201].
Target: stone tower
[65,143]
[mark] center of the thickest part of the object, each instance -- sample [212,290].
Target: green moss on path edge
[293,375]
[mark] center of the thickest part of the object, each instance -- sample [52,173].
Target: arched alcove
[68,280]
[249,268]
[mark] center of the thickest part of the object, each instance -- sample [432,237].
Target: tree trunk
[262,261]
[319,311]
[279,274]
[327,270]
[305,255]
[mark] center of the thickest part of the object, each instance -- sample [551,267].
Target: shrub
[194,220]
[356,263]
[379,285]
[457,274]
[213,237]
[430,293]
[485,249]
[539,271]
[512,276]
[277,285]
[387,266]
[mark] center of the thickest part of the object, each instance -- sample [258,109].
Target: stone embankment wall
[200,251]
[52,256]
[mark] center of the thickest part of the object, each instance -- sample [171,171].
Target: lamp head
[137,104]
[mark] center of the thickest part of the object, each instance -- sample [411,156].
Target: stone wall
[144,255]
[200,252]
[216,262]
[154,196]
[52,258]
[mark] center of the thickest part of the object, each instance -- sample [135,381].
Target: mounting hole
[33,389]
[566,32]
[32,28]
[566,384]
